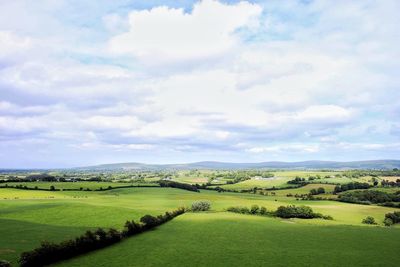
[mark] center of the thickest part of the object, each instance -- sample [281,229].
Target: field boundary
[49,253]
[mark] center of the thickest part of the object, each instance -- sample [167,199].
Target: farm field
[29,216]
[305,190]
[277,182]
[72,185]
[244,240]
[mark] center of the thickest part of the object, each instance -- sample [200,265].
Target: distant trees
[202,205]
[319,190]
[298,180]
[41,177]
[173,184]
[351,186]
[369,197]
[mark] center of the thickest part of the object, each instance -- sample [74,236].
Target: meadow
[244,240]
[216,237]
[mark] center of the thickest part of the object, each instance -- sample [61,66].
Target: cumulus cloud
[165,35]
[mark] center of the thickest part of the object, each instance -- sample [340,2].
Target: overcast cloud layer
[87,82]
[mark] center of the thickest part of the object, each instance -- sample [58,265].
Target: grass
[277,182]
[243,240]
[71,185]
[305,190]
[29,216]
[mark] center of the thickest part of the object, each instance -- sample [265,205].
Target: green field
[243,240]
[72,185]
[29,216]
[305,190]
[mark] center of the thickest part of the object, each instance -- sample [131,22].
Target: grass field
[243,240]
[72,185]
[305,190]
[30,216]
[56,216]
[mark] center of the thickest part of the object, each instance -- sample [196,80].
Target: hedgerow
[49,253]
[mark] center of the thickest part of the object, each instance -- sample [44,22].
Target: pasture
[29,216]
[244,240]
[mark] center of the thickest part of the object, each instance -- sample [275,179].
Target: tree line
[173,184]
[291,211]
[369,197]
[351,186]
[49,253]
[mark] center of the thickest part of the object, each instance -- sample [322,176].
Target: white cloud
[164,35]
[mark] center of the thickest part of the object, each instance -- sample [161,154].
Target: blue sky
[90,82]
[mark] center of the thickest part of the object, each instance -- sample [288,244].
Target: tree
[52,188]
[321,190]
[369,220]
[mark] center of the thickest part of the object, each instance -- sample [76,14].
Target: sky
[92,82]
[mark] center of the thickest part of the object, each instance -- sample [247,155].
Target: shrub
[303,212]
[202,205]
[149,221]
[254,209]
[263,211]
[388,222]
[394,217]
[369,220]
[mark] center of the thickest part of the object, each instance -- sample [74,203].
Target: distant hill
[301,165]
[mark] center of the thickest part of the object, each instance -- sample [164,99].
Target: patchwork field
[29,216]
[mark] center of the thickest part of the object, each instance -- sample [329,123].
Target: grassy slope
[242,240]
[24,222]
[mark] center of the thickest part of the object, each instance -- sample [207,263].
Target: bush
[303,212]
[369,220]
[254,209]
[149,221]
[394,217]
[202,205]
[263,211]
[388,222]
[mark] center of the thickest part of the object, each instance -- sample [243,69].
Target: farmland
[28,217]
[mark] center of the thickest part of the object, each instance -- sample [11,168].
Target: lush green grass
[39,215]
[305,190]
[222,239]
[265,183]
[71,185]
